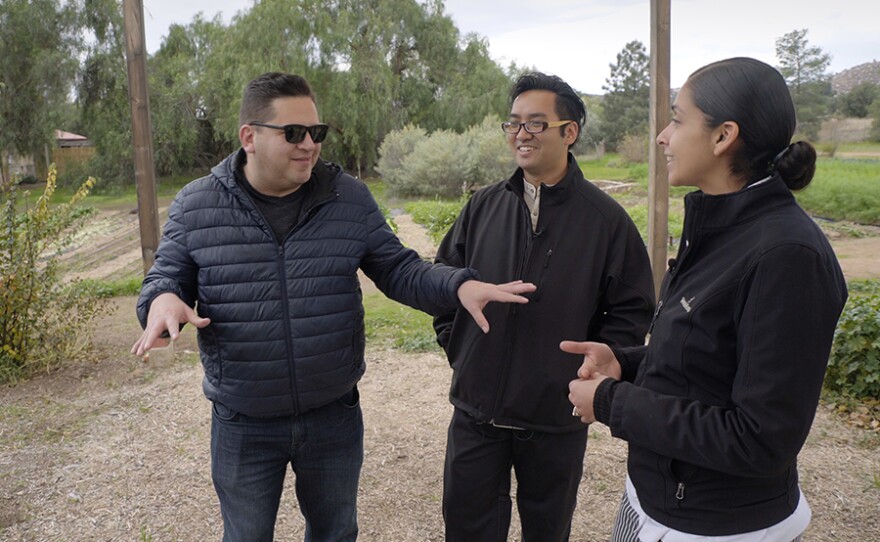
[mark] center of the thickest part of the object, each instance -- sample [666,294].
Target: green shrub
[634,148]
[489,158]
[438,166]
[854,367]
[43,321]
[396,146]
[444,164]
[435,216]
[864,287]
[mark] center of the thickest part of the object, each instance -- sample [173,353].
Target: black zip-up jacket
[287,320]
[594,283]
[725,392]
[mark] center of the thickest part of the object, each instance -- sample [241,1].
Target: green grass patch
[866,147]
[639,215]
[844,189]
[104,289]
[398,326]
[436,216]
[166,188]
[611,167]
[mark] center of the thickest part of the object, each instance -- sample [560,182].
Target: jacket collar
[718,211]
[551,195]
[321,184]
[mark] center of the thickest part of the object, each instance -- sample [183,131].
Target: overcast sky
[579,39]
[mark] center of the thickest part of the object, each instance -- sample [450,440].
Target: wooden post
[658,181]
[141,130]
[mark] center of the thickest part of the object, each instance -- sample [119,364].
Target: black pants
[476,481]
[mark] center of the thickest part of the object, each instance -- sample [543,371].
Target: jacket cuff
[460,277]
[630,359]
[602,400]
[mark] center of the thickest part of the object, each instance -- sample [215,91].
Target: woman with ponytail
[718,403]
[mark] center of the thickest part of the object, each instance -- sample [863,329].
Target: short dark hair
[755,96]
[256,102]
[569,105]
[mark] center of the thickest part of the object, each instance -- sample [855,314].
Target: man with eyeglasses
[267,248]
[549,226]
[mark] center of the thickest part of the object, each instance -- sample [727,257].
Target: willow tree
[38,44]
[374,66]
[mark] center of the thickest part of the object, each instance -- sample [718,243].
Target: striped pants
[627,524]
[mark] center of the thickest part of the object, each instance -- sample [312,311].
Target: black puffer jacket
[287,322]
[594,283]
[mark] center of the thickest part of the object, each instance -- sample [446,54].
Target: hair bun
[796,164]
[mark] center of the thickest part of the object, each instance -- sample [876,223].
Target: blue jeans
[249,458]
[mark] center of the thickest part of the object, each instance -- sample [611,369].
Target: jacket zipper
[508,339]
[654,319]
[538,292]
[291,366]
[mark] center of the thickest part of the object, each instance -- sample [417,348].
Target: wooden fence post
[141,130]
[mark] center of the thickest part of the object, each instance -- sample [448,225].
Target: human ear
[571,133]
[723,137]
[246,136]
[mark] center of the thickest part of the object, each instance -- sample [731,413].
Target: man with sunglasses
[549,226]
[267,247]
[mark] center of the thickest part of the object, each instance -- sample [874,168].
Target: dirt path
[858,257]
[118,449]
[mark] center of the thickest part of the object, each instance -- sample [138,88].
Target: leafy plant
[43,321]
[854,367]
[437,216]
[396,146]
[444,163]
[438,166]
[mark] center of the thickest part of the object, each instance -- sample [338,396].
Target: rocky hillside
[844,81]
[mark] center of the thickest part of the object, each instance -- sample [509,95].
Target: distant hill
[843,82]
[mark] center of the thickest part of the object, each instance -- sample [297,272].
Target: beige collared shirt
[532,197]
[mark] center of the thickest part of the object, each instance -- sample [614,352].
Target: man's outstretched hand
[167,312]
[475,295]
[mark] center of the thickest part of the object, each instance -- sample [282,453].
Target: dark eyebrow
[675,108]
[531,117]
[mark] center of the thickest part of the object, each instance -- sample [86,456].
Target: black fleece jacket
[594,283]
[723,396]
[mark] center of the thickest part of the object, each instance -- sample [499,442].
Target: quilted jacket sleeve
[401,274]
[173,269]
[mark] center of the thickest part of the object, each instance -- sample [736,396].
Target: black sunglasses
[295,133]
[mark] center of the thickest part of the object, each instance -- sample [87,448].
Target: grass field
[842,189]
[845,189]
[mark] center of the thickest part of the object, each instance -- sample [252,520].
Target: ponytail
[796,164]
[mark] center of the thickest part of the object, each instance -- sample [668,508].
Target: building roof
[67,136]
